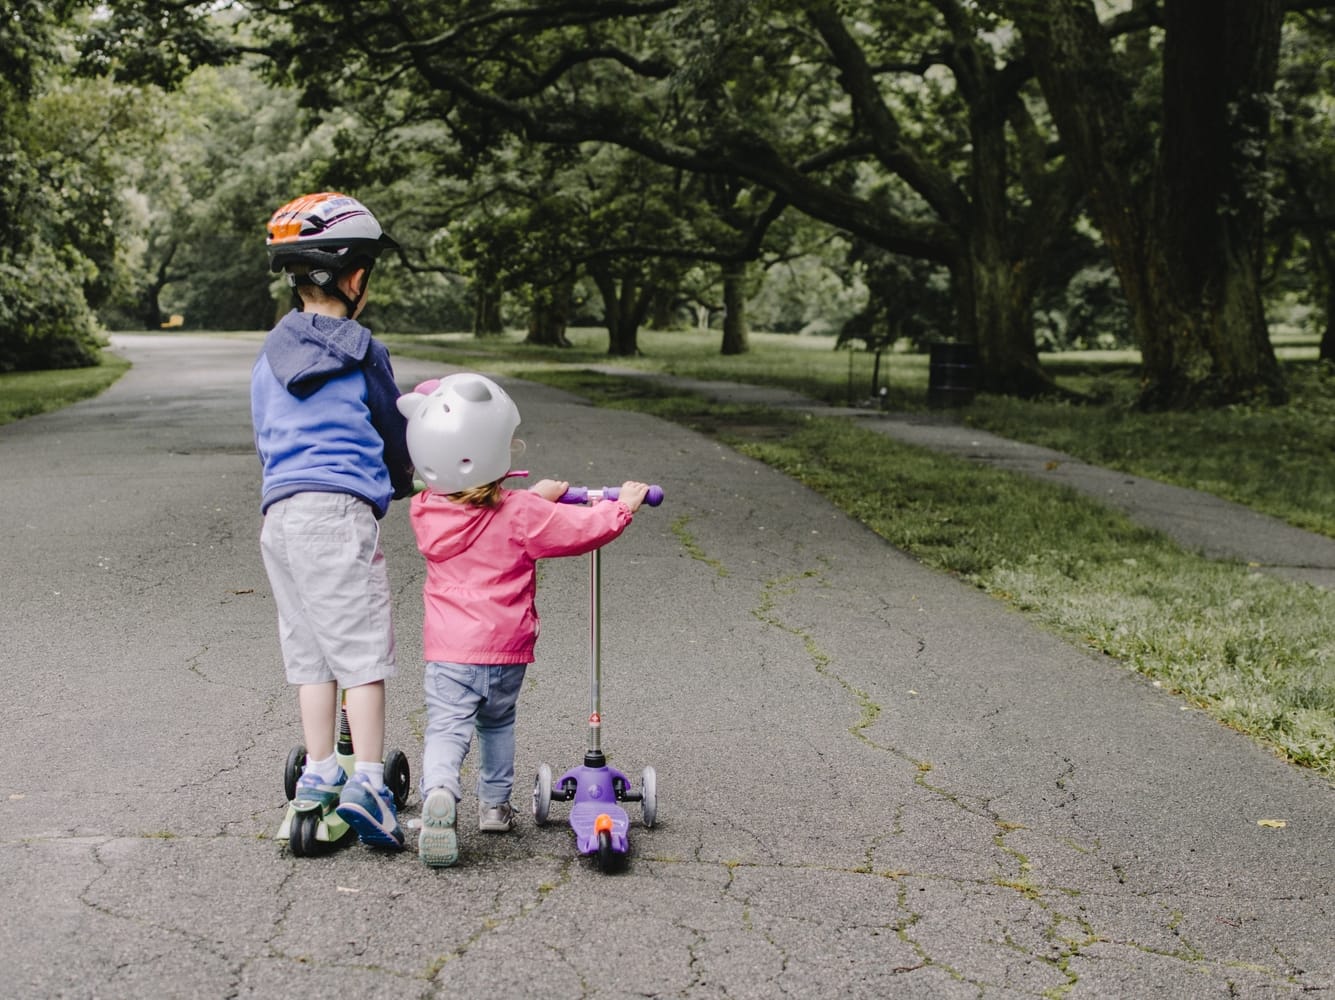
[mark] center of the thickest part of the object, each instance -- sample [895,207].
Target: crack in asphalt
[1062,947]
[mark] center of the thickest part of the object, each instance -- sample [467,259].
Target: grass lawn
[26,394]
[1273,459]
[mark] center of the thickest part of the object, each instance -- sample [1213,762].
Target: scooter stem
[595,652]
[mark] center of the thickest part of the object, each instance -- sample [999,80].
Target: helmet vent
[474,392]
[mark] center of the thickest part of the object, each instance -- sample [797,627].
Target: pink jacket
[481,579]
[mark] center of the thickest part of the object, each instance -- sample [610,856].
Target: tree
[906,127]
[1302,237]
[693,86]
[915,128]
[1184,223]
[206,164]
[49,203]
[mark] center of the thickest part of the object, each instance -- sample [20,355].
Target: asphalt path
[873,780]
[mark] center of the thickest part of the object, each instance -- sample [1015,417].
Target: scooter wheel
[649,796]
[302,838]
[542,794]
[296,763]
[398,777]
[607,857]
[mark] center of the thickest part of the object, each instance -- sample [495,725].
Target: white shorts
[322,553]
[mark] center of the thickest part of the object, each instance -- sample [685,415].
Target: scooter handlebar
[589,494]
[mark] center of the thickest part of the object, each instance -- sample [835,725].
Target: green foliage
[44,319]
[1301,250]
[211,162]
[1088,313]
[907,299]
[155,42]
[405,302]
[52,204]
[815,293]
[524,146]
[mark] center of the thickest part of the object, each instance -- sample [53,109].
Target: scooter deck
[595,796]
[584,817]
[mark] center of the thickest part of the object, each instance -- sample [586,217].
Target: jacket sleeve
[552,529]
[381,395]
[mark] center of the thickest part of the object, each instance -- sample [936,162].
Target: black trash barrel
[952,374]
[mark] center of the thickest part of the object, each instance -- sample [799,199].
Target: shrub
[45,321]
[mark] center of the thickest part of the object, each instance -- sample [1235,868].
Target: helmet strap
[350,304]
[330,286]
[361,290]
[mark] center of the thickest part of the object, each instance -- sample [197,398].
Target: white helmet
[460,431]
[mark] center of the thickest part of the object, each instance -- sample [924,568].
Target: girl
[482,543]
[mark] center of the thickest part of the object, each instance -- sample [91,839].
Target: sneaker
[496,819]
[370,811]
[315,792]
[438,844]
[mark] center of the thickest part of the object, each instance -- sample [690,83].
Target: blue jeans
[462,698]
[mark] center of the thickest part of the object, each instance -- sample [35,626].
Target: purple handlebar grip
[583,494]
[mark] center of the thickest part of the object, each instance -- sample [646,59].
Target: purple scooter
[600,823]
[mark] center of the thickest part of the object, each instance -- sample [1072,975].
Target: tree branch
[892,148]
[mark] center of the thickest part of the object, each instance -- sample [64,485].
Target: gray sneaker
[495,819]
[438,843]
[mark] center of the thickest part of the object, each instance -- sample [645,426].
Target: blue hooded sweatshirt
[322,399]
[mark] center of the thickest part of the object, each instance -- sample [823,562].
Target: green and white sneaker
[315,792]
[438,842]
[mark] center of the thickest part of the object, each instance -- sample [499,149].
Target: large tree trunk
[1186,250]
[150,304]
[624,309]
[735,331]
[998,302]
[1220,59]
[550,315]
[662,312]
[487,321]
[1324,258]
[995,312]
[149,310]
[1321,250]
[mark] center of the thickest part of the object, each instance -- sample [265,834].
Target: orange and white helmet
[327,230]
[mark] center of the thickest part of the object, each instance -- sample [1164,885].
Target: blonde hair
[488,495]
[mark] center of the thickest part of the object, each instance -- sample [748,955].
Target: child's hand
[632,494]
[550,489]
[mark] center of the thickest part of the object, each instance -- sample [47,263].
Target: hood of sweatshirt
[444,528]
[307,349]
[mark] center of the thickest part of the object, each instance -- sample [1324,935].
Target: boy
[332,444]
